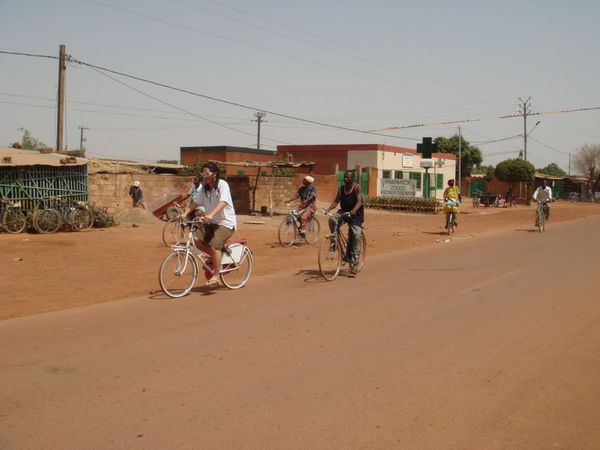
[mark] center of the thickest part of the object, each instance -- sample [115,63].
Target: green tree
[470,155]
[553,169]
[587,163]
[28,142]
[167,161]
[514,170]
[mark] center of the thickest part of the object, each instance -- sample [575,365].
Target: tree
[553,169]
[587,163]
[470,155]
[513,170]
[28,142]
[167,161]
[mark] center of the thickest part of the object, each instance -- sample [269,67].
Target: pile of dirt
[137,216]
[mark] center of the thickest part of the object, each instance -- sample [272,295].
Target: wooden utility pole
[81,138]
[525,110]
[62,67]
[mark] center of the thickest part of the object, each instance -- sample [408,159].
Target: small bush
[407,204]
[102,218]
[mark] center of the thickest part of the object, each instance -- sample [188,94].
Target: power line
[232,103]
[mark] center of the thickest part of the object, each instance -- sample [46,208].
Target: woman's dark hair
[214,168]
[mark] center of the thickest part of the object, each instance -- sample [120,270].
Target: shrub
[407,204]
[102,218]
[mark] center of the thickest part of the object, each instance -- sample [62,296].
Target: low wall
[112,190]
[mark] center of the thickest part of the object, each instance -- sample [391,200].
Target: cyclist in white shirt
[214,195]
[544,194]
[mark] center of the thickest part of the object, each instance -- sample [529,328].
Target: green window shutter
[241,172]
[386,174]
[439,182]
[415,176]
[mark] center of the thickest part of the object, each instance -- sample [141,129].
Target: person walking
[137,195]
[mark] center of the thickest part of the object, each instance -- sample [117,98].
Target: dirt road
[477,343]
[42,273]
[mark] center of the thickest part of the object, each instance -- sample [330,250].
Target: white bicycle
[179,271]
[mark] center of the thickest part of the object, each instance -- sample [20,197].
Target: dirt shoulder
[43,273]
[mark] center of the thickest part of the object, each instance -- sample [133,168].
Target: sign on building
[407,161]
[391,187]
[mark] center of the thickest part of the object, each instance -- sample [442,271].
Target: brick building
[378,161]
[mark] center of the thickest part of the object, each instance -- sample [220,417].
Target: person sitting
[307,194]
[543,194]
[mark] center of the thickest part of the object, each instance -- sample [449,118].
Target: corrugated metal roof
[12,157]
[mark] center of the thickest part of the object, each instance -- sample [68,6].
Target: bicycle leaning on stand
[290,231]
[334,252]
[12,218]
[179,271]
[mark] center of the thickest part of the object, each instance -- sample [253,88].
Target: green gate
[477,186]
[30,184]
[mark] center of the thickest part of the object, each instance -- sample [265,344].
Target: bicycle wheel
[173,232]
[46,221]
[330,258]
[312,230]
[235,277]
[287,233]
[362,255]
[178,274]
[13,220]
[83,220]
[450,223]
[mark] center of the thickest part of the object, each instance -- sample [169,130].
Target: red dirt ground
[64,270]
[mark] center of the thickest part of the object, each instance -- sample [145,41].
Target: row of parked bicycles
[51,215]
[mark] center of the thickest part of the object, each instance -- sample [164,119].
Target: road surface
[486,343]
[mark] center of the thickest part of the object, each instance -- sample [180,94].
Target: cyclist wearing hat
[308,197]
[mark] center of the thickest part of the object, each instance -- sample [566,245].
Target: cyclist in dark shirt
[351,211]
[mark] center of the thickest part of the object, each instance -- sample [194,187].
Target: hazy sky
[359,65]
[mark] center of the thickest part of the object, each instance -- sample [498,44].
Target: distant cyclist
[351,211]
[452,199]
[308,197]
[543,194]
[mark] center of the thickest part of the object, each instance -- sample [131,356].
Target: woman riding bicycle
[452,200]
[220,221]
[351,211]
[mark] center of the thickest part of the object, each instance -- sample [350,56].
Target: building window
[398,174]
[263,173]
[439,182]
[241,172]
[415,176]
[386,174]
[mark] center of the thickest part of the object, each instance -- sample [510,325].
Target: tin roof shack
[29,176]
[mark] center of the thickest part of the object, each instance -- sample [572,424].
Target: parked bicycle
[335,251]
[173,232]
[179,271]
[75,215]
[290,229]
[541,215]
[12,218]
[46,219]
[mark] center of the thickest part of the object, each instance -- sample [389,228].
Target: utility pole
[459,158]
[525,110]
[569,163]
[260,116]
[62,67]
[82,139]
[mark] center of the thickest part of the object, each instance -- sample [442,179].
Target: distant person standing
[137,195]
